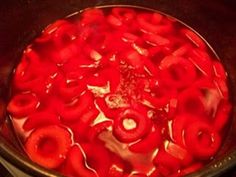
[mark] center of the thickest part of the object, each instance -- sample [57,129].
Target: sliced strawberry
[126,15]
[48,145]
[202,140]
[70,87]
[202,61]
[64,34]
[23,104]
[153,23]
[179,125]
[134,59]
[98,161]
[65,54]
[182,50]
[147,144]
[156,40]
[40,119]
[191,101]
[92,16]
[158,98]
[74,110]
[25,76]
[129,37]
[98,128]
[76,162]
[166,163]
[130,126]
[107,109]
[177,71]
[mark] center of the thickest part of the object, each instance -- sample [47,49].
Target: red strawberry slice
[40,119]
[76,163]
[202,61]
[48,145]
[98,128]
[92,16]
[70,87]
[166,163]
[177,71]
[147,144]
[126,15]
[131,125]
[74,110]
[99,161]
[23,104]
[64,34]
[202,140]
[191,101]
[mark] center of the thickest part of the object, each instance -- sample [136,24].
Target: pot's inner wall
[21,21]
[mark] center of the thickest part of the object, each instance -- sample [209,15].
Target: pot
[21,21]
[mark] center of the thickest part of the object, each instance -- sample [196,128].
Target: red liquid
[119,92]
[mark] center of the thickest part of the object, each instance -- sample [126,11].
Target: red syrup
[120,92]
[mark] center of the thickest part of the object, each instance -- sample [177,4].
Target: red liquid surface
[119,92]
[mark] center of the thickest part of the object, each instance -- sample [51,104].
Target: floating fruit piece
[134,59]
[202,140]
[131,125]
[64,35]
[166,163]
[76,162]
[156,40]
[70,88]
[98,161]
[154,23]
[105,108]
[191,101]
[179,125]
[65,53]
[74,110]
[182,50]
[177,71]
[98,128]
[40,119]
[48,145]
[92,16]
[202,61]
[23,104]
[126,15]
[148,143]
